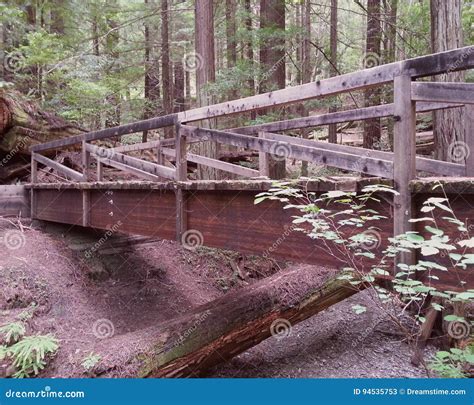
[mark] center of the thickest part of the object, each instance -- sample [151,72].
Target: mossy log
[22,125]
[221,329]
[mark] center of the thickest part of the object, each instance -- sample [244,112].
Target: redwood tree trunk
[332,130]
[272,61]
[165,65]
[448,128]
[372,128]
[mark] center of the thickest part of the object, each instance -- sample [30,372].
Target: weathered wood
[227,326]
[139,164]
[121,166]
[404,159]
[263,159]
[181,154]
[358,114]
[114,132]
[14,201]
[144,145]
[469,140]
[217,164]
[342,160]
[443,92]
[86,161]
[34,179]
[458,59]
[181,214]
[422,163]
[86,204]
[66,171]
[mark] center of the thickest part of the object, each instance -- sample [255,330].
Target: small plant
[29,354]
[12,332]
[453,364]
[90,361]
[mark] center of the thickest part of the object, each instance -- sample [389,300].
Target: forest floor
[81,300]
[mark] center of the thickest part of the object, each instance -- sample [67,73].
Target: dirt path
[83,299]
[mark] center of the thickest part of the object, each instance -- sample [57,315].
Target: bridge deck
[222,214]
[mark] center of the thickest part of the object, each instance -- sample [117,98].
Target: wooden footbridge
[221,213]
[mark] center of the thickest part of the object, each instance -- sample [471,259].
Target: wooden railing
[410,97]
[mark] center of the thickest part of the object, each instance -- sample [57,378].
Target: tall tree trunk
[448,128]
[272,61]
[57,17]
[249,54]
[372,127]
[112,42]
[152,69]
[390,44]
[205,74]
[306,67]
[179,100]
[165,65]
[231,32]
[332,130]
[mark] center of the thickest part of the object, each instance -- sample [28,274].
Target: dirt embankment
[88,296]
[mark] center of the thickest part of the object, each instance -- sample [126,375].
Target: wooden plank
[34,179]
[358,114]
[139,164]
[404,159]
[469,131]
[443,92]
[14,201]
[458,59]
[181,214]
[342,160]
[144,145]
[217,164]
[86,161]
[263,159]
[100,170]
[66,171]
[453,60]
[121,166]
[422,163]
[181,154]
[86,204]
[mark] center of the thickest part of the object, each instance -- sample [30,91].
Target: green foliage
[90,361]
[453,363]
[29,355]
[12,332]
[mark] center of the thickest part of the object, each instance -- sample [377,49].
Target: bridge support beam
[404,161]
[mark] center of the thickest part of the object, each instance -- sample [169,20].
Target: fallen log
[22,125]
[221,329]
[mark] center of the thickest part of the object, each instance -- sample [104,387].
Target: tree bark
[332,129]
[112,42]
[205,74]
[272,61]
[165,65]
[372,128]
[446,33]
[221,329]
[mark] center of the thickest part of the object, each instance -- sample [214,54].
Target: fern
[12,332]
[29,354]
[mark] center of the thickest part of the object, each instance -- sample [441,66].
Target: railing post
[404,159]
[159,154]
[181,175]
[469,117]
[86,157]
[263,160]
[34,179]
